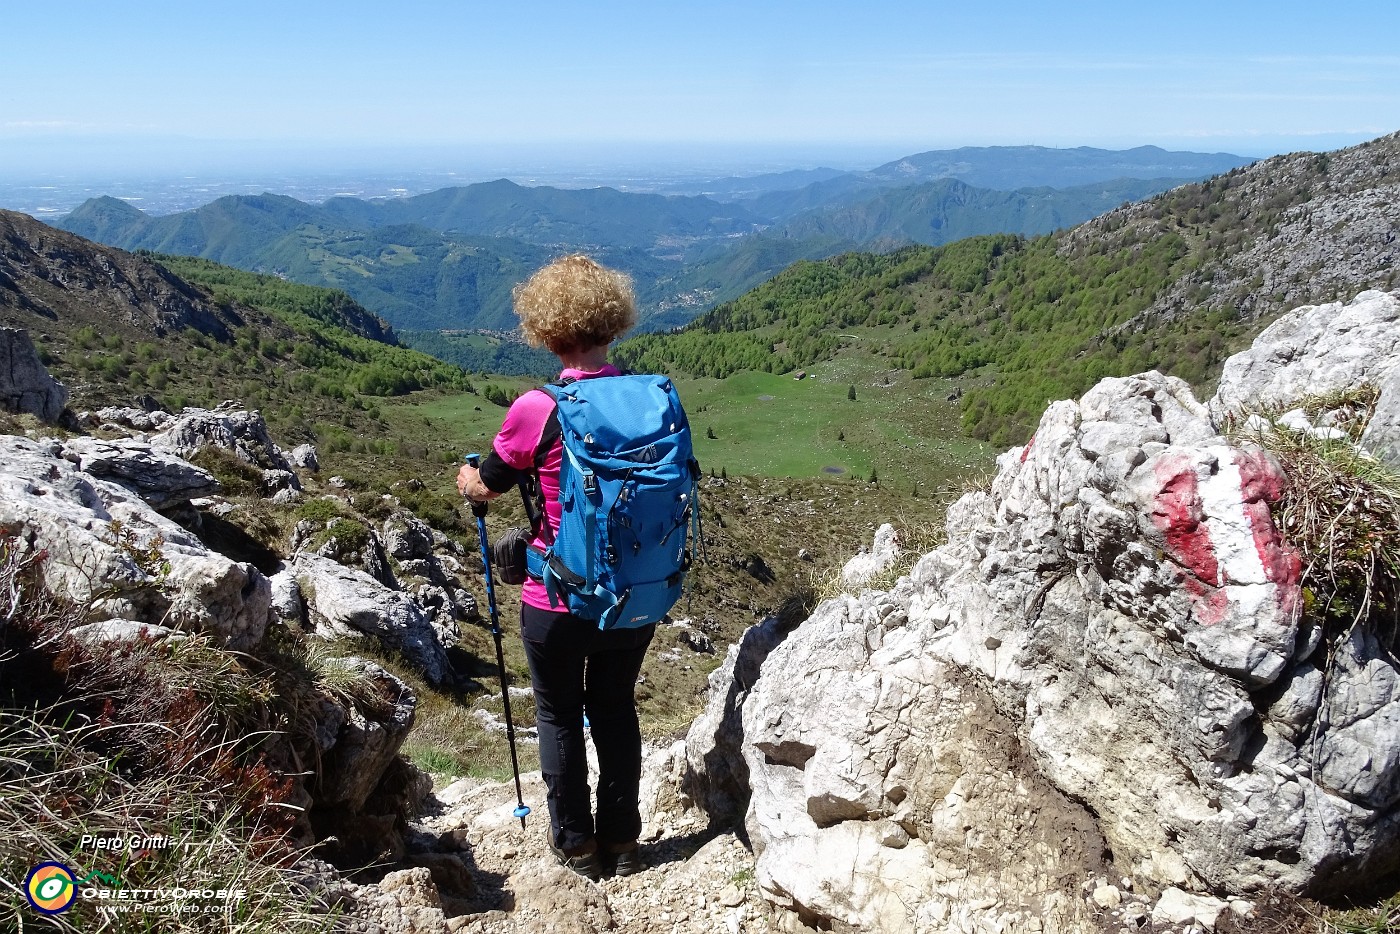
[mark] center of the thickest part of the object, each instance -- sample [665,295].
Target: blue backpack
[628,483]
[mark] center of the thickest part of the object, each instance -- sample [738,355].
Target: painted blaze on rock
[1212,508]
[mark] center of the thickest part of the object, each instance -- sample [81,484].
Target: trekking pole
[479,510]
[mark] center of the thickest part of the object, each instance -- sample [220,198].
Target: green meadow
[902,432]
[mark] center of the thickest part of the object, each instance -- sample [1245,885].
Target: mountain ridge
[403,257]
[1171,282]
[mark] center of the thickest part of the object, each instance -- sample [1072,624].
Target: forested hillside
[176,331]
[1172,283]
[446,260]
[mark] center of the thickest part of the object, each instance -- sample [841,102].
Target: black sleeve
[498,476]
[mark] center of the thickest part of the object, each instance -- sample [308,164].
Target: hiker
[575,308]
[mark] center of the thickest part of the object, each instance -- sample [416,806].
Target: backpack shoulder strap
[531,491]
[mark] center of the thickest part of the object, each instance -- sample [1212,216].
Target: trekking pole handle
[474,461]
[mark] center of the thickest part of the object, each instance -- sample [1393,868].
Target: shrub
[235,477]
[321,509]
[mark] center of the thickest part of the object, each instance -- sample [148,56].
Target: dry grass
[55,787]
[1381,918]
[1341,510]
[160,740]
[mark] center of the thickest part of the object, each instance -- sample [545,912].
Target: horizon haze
[165,90]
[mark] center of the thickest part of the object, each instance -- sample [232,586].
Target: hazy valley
[445,259]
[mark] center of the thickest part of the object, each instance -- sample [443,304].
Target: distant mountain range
[1002,168]
[1175,282]
[447,259]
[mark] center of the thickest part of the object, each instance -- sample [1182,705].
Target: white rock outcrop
[342,601]
[109,550]
[1112,642]
[864,567]
[227,426]
[359,748]
[161,479]
[1320,349]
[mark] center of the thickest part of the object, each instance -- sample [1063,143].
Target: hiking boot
[582,860]
[622,859]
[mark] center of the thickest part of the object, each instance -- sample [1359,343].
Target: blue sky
[817,81]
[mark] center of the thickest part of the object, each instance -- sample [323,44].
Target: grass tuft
[56,788]
[1340,509]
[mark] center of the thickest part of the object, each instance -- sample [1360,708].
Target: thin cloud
[42,125]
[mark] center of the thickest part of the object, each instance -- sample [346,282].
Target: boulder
[1382,436]
[1123,585]
[407,537]
[364,741]
[123,630]
[25,384]
[1178,907]
[716,777]
[305,457]
[112,553]
[287,603]
[277,481]
[1317,350]
[160,478]
[342,601]
[1111,653]
[141,419]
[229,427]
[888,794]
[865,566]
[405,902]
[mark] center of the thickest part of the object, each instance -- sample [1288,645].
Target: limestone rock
[277,481]
[863,567]
[305,457]
[1321,349]
[139,419]
[109,550]
[1113,640]
[160,478]
[853,727]
[450,876]
[1313,350]
[286,600]
[1147,613]
[716,777]
[342,601]
[1178,907]
[364,745]
[552,898]
[25,384]
[229,427]
[403,902]
[122,630]
[1382,436]
[407,537]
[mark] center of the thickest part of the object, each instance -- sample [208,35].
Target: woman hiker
[575,308]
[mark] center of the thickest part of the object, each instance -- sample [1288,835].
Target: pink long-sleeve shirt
[516,444]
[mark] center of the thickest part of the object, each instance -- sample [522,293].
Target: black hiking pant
[576,669]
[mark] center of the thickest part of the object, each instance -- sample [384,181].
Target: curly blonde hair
[574,304]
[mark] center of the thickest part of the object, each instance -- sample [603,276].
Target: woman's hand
[469,485]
